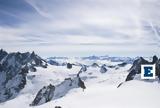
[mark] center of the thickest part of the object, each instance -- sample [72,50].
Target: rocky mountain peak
[136,67]
[13,70]
[2,54]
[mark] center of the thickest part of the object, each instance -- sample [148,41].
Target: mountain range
[28,80]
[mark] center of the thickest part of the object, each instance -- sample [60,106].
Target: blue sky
[81,27]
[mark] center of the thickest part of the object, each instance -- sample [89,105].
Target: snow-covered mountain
[13,71]
[113,59]
[27,80]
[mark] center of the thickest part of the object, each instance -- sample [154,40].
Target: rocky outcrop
[84,68]
[95,65]
[58,91]
[136,67]
[13,70]
[69,65]
[44,95]
[53,62]
[111,66]
[58,107]
[122,64]
[103,69]
[81,83]
[35,60]
[2,54]
[155,59]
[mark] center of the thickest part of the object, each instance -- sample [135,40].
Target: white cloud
[110,24]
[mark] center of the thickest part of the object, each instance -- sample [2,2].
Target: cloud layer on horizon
[73,27]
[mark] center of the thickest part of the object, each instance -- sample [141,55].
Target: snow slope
[101,88]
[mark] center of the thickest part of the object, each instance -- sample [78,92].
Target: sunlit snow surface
[101,88]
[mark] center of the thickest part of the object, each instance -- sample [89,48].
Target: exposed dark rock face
[13,70]
[44,95]
[159,77]
[52,62]
[95,65]
[81,84]
[119,84]
[137,65]
[69,65]
[131,75]
[122,64]
[155,59]
[67,85]
[111,66]
[136,68]
[58,91]
[103,69]
[157,62]
[2,54]
[84,68]
[37,61]
[58,107]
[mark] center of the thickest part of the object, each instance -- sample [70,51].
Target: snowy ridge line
[47,85]
[51,92]
[14,68]
[135,70]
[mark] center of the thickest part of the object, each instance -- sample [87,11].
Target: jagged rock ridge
[50,92]
[13,70]
[136,67]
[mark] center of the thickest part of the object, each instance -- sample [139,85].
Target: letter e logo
[148,71]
